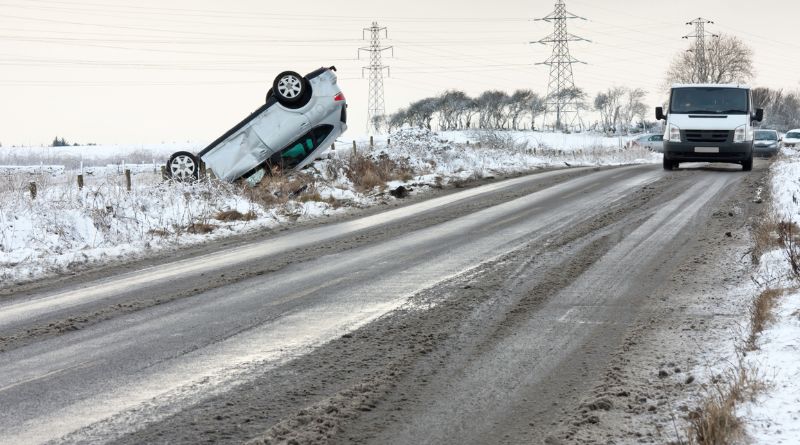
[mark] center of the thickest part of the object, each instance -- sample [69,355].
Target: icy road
[461,319]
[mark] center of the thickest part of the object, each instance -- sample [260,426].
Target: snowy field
[65,228]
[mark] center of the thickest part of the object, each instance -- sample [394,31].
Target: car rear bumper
[765,151]
[699,151]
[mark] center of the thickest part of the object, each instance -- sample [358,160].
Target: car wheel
[291,89]
[183,166]
[668,165]
[747,165]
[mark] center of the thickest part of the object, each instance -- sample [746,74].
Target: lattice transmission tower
[700,34]
[377,106]
[562,100]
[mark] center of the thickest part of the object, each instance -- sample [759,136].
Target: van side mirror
[660,114]
[759,115]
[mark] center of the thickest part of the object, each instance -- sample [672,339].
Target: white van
[709,123]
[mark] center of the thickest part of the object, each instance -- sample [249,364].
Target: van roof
[710,85]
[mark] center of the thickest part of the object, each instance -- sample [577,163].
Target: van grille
[707,135]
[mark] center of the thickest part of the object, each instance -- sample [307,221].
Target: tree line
[618,108]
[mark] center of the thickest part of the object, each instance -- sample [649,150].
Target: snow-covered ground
[65,228]
[774,417]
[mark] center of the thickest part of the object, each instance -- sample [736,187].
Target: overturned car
[302,117]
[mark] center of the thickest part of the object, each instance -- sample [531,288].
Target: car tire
[183,166]
[668,164]
[291,89]
[747,165]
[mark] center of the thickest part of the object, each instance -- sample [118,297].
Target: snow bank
[775,416]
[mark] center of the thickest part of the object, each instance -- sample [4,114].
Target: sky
[114,71]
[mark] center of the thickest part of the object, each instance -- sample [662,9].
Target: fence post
[371,142]
[388,142]
[355,149]
[80,182]
[333,146]
[32,188]
[128,179]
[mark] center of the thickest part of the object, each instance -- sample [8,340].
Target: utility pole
[700,34]
[561,99]
[377,107]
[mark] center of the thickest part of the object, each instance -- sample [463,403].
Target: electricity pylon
[377,107]
[562,96]
[700,34]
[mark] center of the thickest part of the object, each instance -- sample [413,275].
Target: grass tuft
[761,314]
[715,422]
[235,215]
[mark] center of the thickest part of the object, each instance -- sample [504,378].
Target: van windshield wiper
[701,112]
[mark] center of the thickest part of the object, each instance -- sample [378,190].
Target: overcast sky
[116,71]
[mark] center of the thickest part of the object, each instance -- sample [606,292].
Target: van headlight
[742,134]
[673,133]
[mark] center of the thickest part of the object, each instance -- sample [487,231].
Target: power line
[561,96]
[377,107]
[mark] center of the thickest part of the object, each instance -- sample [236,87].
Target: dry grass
[765,236]
[715,422]
[278,189]
[761,314]
[200,228]
[367,172]
[789,236]
[235,215]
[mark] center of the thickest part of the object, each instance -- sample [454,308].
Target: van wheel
[747,165]
[183,166]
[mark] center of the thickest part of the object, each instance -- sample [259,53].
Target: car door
[656,143]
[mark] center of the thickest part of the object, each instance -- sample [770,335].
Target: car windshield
[766,136]
[793,135]
[709,100]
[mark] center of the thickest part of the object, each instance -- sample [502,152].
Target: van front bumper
[698,151]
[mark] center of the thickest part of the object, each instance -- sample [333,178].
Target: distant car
[766,143]
[653,142]
[792,139]
[302,116]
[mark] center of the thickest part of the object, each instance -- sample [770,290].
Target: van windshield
[709,100]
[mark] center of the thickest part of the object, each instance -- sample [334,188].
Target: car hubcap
[182,167]
[290,87]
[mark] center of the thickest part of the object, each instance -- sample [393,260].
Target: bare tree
[781,109]
[420,113]
[633,106]
[608,104]
[726,60]
[491,105]
[536,105]
[518,106]
[450,105]
[398,119]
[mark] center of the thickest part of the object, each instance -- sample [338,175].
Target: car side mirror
[759,115]
[660,114]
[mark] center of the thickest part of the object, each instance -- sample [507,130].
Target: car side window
[297,151]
